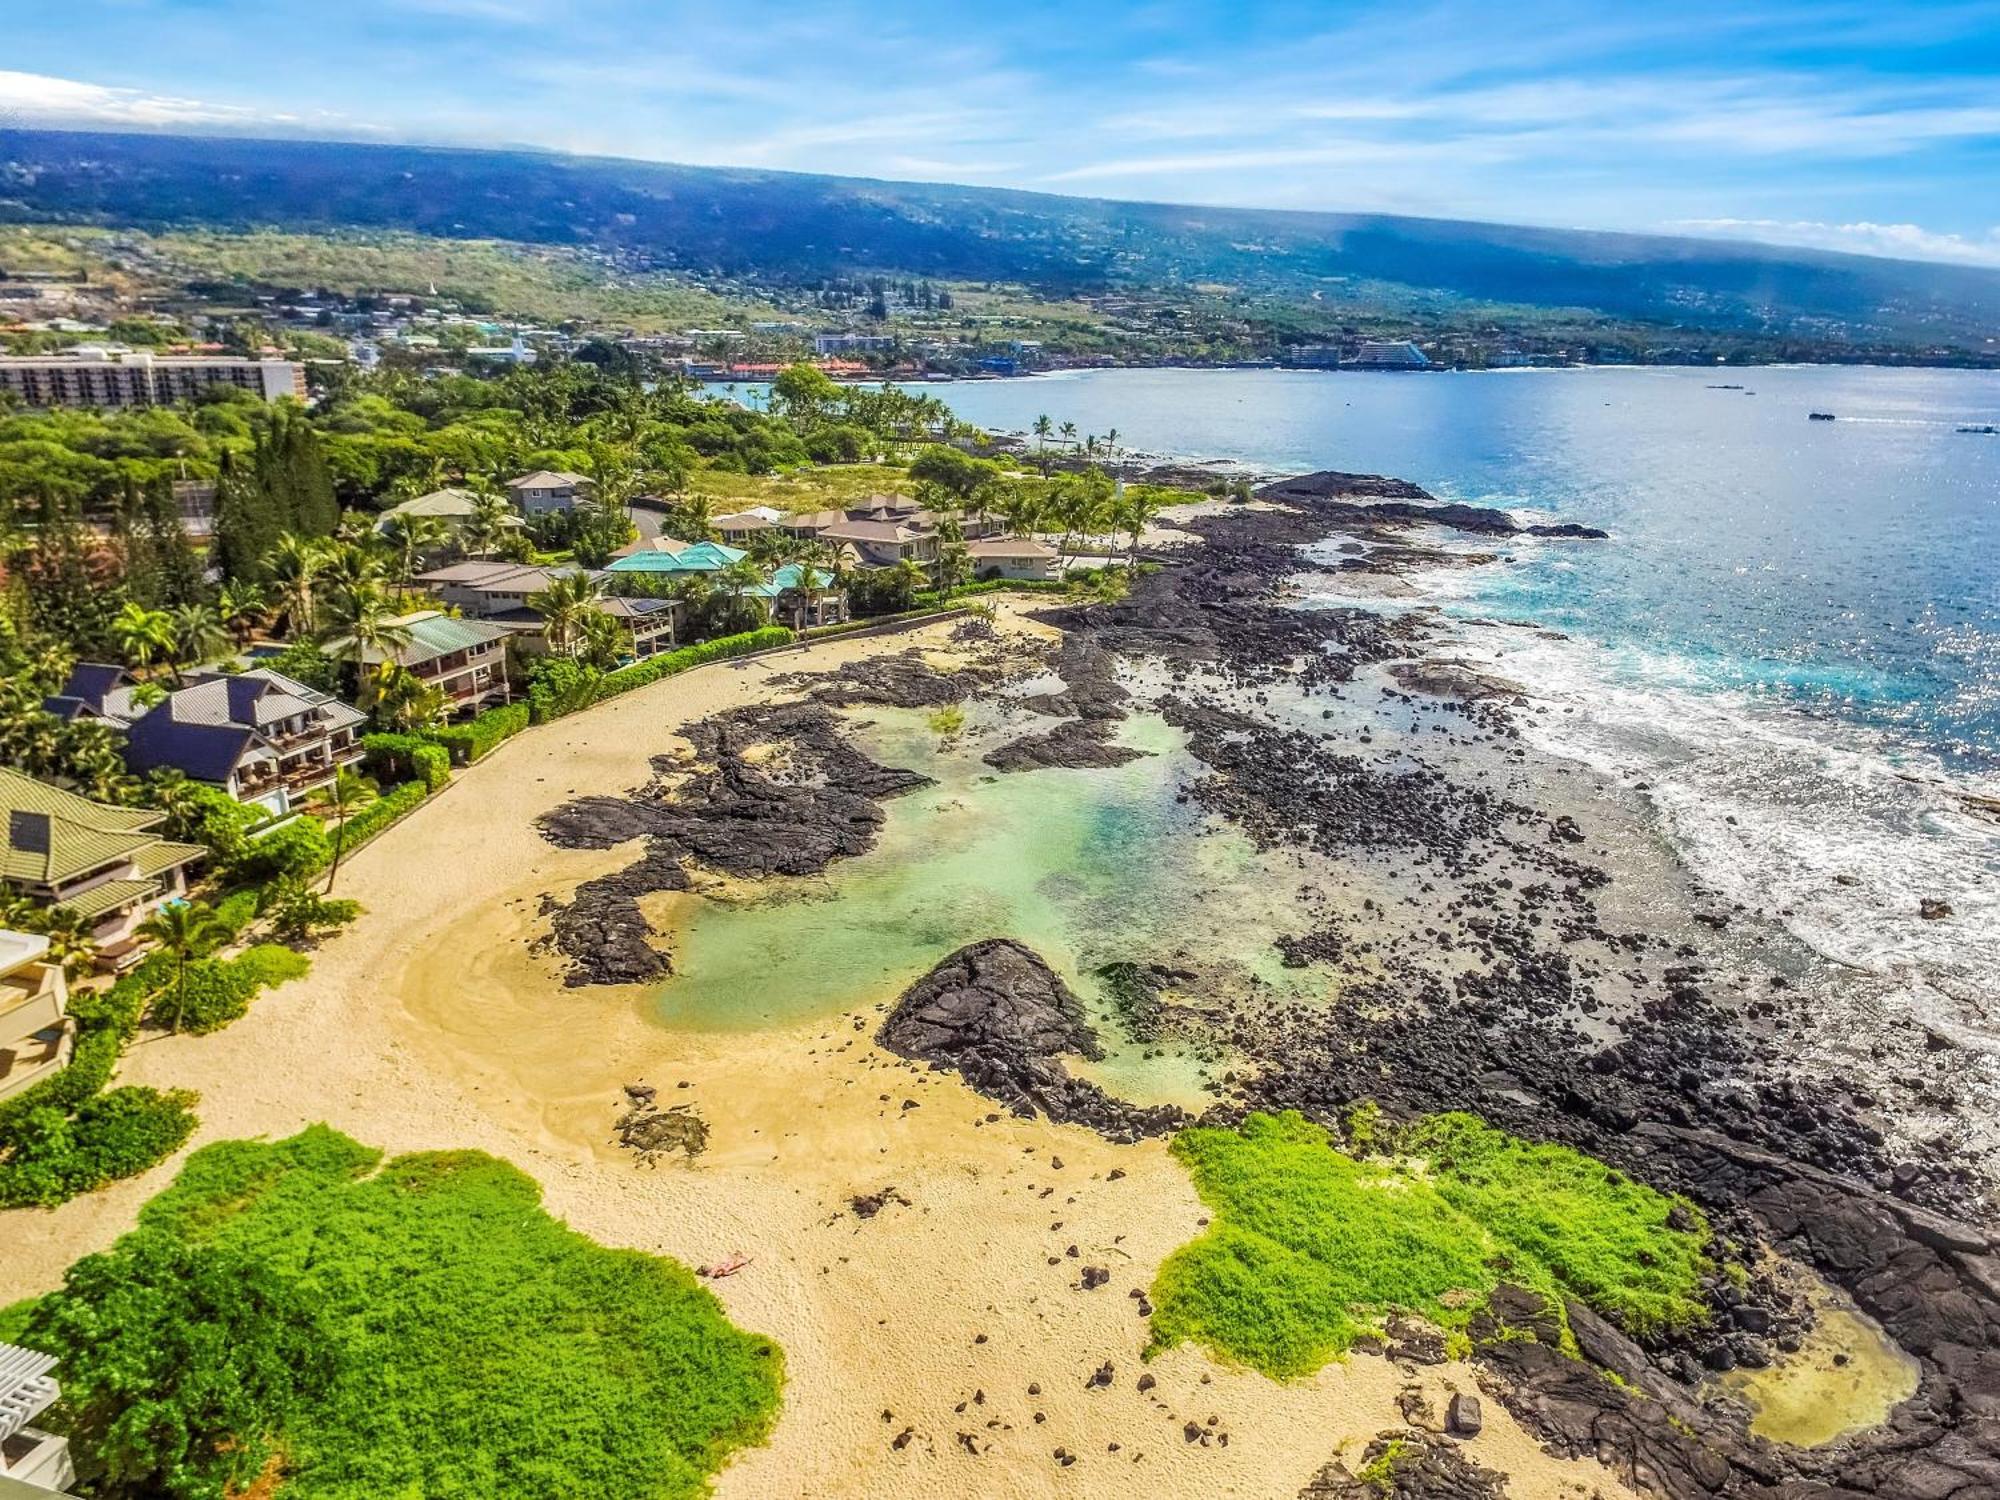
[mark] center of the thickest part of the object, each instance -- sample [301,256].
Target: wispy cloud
[1904,241]
[1873,126]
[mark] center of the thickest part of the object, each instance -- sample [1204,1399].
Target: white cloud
[1902,241]
[40,99]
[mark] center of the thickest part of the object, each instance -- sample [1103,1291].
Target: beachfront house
[1014,557]
[36,1033]
[264,738]
[103,863]
[548,489]
[466,660]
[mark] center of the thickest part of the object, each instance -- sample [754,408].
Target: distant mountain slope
[785,226]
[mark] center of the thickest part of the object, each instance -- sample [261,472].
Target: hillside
[782,229]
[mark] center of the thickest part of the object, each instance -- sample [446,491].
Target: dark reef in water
[806,798]
[994,1013]
[1509,997]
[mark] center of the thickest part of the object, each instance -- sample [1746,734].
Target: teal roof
[702,557]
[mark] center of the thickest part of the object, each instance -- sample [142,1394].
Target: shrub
[235,911]
[216,991]
[406,757]
[299,914]
[405,1271]
[559,685]
[398,802]
[55,1156]
[297,848]
[181,1363]
[476,738]
[305,662]
[668,663]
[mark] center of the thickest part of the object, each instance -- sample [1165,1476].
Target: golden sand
[430,1024]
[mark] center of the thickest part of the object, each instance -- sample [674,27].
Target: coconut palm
[487,525]
[198,636]
[71,942]
[362,623]
[144,635]
[412,537]
[184,930]
[346,793]
[563,606]
[295,566]
[241,605]
[405,702]
[173,793]
[599,640]
[1133,512]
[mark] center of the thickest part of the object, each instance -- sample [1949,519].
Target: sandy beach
[432,1024]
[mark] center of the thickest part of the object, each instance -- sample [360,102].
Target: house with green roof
[466,660]
[106,864]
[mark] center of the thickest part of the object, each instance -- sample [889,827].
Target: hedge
[406,757]
[476,738]
[388,808]
[668,663]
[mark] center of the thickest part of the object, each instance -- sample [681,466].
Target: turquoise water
[1849,569]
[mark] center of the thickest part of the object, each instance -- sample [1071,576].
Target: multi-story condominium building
[36,1032]
[546,490]
[103,863]
[121,378]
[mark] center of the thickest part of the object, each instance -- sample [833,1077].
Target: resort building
[547,490]
[36,1032]
[111,376]
[1015,558]
[264,738]
[103,863]
[884,543]
[32,1462]
[666,555]
[1389,354]
[737,529]
[466,660]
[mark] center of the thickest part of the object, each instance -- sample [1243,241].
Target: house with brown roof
[1013,557]
[504,593]
[103,863]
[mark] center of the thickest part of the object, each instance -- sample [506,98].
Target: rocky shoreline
[1483,975]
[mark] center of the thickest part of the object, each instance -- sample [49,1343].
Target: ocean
[1790,645]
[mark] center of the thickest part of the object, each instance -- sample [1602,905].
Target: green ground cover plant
[1311,1246]
[450,1339]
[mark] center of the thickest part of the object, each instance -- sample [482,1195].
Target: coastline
[431,1024]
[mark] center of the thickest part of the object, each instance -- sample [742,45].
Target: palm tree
[145,635]
[186,930]
[1134,512]
[361,623]
[347,792]
[818,564]
[1043,427]
[198,635]
[295,565]
[412,537]
[350,566]
[599,640]
[172,792]
[693,519]
[740,579]
[405,702]
[486,525]
[71,942]
[1069,433]
[563,606]
[241,606]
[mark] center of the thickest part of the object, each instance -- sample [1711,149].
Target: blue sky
[1865,126]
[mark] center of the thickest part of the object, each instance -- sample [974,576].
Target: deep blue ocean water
[1848,569]
[1790,646]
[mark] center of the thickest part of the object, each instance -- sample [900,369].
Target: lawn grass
[481,1348]
[1311,1247]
